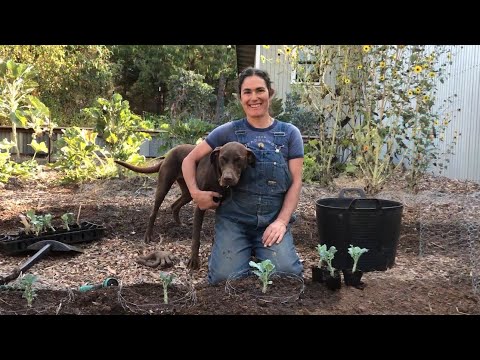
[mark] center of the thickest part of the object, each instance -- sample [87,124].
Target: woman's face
[254,97]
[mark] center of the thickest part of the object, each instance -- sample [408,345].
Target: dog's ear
[251,159]
[214,161]
[214,155]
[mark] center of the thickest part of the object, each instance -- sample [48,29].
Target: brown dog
[221,169]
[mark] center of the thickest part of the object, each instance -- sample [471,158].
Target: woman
[254,217]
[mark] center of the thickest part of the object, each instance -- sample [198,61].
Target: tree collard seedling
[36,224]
[264,271]
[26,283]
[166,280]
[68,219]
[355,252]
[327,256]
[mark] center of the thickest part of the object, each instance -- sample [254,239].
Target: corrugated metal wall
[279,70]
[464,81]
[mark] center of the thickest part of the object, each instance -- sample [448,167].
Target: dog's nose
[228,180]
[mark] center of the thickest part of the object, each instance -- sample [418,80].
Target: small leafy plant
[355,252]
[26,283]
[264,271]
[327,257]
[47,221]
[166,280]
[36,224]
[68,219]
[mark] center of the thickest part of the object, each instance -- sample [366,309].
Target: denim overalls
[249,208]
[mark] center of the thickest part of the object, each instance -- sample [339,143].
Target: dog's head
[230,160]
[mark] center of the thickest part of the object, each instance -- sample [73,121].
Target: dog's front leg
[194,262]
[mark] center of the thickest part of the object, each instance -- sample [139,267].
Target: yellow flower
[382,64]
[263,59]
[366,48]
[445,122]
[417,69]
[426,97]
[288,50]
[266,47]
[431,74]
[382,78]
[449,56]
[347,81]
[410,93]
[435,122]
[418,90]
[360,67]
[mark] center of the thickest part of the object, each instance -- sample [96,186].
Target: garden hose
[110,281]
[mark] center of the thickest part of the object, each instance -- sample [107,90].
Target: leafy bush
[375,102]
[189,95]
[80,158]
[118,127]
[179,132]
[300,116]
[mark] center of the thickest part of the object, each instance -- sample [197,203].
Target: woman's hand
[274,233]
[205,199]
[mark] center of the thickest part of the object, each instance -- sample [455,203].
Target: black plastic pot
[353,278]
[317,274]
[365,222]
[332,282]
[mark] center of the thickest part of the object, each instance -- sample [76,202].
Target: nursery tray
[85,232]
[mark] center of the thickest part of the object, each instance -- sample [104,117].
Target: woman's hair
[250,71]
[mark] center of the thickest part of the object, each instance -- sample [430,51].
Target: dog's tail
[144,170]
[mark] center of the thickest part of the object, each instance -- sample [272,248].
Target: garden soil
[430,276]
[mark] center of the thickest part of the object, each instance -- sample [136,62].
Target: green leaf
[39,147]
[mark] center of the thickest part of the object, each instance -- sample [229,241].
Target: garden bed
[432,274]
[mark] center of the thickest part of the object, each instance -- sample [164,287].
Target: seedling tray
[85,232]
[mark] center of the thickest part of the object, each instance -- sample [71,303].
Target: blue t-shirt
[226,133]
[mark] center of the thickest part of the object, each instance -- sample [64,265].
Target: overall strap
[240,131]
[280,134]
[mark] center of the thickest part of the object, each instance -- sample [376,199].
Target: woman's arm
[203,199]
[274,232]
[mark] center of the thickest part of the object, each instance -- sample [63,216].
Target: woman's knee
[218,274]
[284,257]
[294,267]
